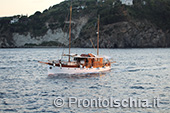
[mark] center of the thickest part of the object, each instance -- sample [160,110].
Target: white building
[101,1]
[127,2]
[144,2]
[14,20]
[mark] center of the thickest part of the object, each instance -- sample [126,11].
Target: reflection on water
[77,76]
[138,73]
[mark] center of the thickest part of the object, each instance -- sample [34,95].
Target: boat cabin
[90,61]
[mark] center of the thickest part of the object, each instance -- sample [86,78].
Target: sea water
[137,73]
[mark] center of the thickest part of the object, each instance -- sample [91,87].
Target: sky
[24,7]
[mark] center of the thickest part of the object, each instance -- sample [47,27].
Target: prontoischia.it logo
[104,102]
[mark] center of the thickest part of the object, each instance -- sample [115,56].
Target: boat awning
[89,55]
[86,56]
[106,57]
[72,55]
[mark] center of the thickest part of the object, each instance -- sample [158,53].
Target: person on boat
[59,61]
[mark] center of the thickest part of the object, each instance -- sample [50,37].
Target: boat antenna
[70,31]
[98,35]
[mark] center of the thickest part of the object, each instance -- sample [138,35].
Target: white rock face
[56,35]
[80,23]
[21,40]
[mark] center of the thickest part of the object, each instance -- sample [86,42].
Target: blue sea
[137,73]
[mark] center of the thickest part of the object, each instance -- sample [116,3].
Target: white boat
[57,70]
[54,70]
[81,64]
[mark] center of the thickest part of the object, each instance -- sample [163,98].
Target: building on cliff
[14,20]
[127,2]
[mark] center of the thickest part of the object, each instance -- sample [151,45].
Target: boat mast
[98,35]
[70,32]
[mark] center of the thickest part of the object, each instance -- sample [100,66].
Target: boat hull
[54,70]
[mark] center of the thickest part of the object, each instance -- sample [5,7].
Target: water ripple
[137,87]
[25,86]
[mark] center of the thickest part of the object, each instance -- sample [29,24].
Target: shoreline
[41,47]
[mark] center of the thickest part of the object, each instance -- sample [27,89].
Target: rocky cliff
[127,34]
[121,26]
[56,37]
